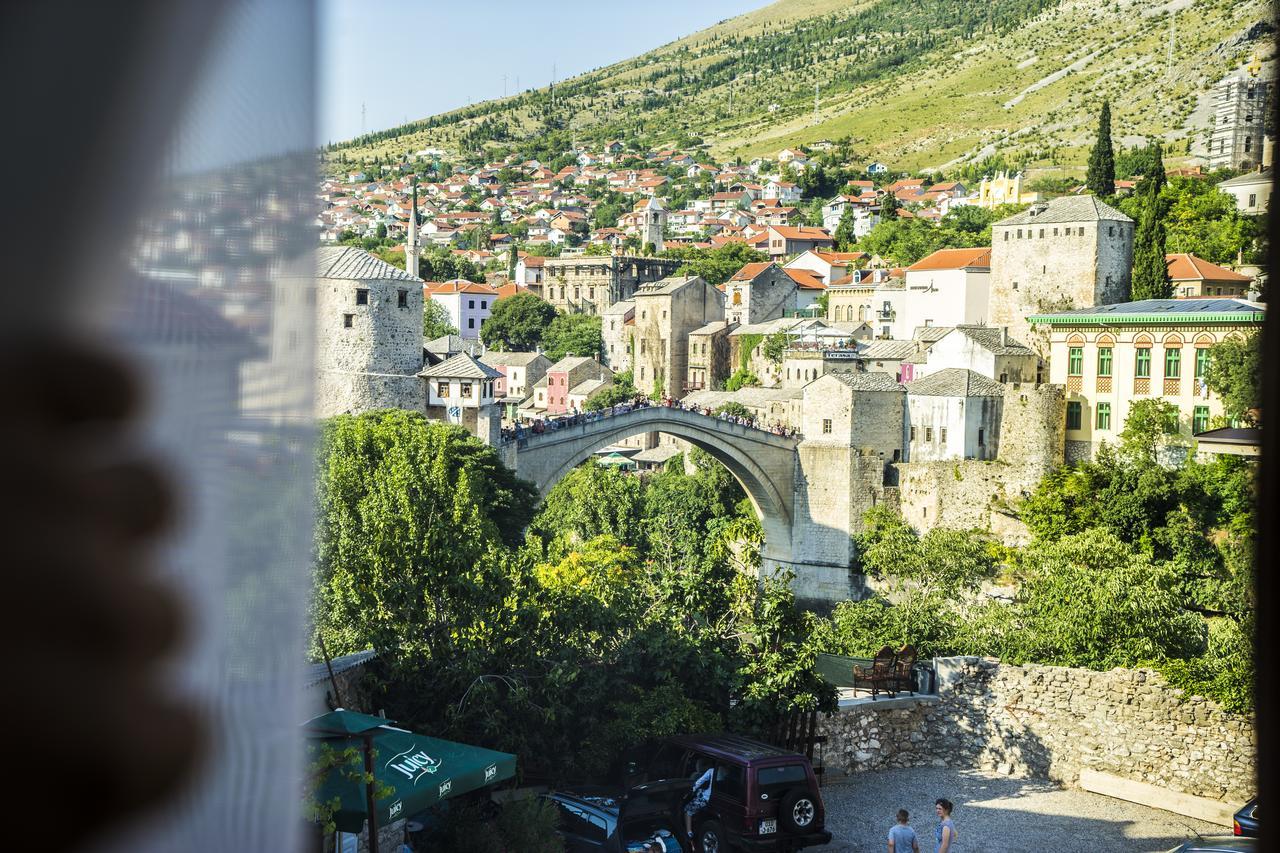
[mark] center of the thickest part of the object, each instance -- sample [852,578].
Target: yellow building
[1111,355]
[1002,189]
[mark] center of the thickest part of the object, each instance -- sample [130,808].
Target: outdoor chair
[904,661]
[879,676]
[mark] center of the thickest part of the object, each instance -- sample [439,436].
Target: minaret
[411,240]
[653,219]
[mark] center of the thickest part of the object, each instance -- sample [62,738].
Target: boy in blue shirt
[902,838]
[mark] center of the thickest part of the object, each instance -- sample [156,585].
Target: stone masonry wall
[976,494]
[1053,722]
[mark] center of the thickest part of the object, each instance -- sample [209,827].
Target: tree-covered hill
[913,82]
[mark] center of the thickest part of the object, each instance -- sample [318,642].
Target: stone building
[463,391]
[852,299]
[759,292]
[708,356]
[520,372]
[1237,138]
[616,322]
[368,334]
[863,411]
[953,414]
[666,312]
[1068,253]
[565,378]
[1109,356]
[983,349]
[589,284]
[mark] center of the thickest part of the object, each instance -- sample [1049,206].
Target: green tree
[411,515]
[1101,175]
[716,266]
[1150,269]
[1149,427]
[741,378]
[517,323]
[572,333]
[844,236]
[1090,600]
[775,345]
[1234,374]
[889,207]
[436,322]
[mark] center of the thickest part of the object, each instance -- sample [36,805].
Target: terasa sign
[414,765]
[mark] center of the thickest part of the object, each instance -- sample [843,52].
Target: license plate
[768,827]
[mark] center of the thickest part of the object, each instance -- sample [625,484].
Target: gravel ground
[996,814]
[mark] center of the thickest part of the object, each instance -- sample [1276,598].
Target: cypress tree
[1150,270]
[1101,177]
[888,207]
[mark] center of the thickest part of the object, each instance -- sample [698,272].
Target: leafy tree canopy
[436,322]
[1234,374]
[572,333]
[716,266]
[517,323]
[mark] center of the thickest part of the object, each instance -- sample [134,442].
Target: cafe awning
[420,771]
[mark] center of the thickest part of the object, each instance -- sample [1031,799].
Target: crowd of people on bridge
[522,430]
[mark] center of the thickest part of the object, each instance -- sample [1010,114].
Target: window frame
[1075,414]
[1106,357]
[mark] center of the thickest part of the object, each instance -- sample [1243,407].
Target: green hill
[915,83]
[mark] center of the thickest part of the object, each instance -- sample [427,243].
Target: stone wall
[976,494]
[1053,722]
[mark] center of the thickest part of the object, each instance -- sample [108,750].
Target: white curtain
[213,310]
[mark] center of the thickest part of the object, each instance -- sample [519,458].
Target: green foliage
[1149,427]
[716,266]
[1101,175]
[843,236]
[1150,269]
[572,333]
[436,322]
[733,409]
[1201,219]
[525,825]
[774,347]
[906,241]
[411,517]
[517,323]
[741,378]
[1234,374]
[590,502]
[1089,600]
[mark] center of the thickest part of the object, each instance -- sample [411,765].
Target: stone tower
[652,224]
[411,248]
[368,334]
[1239,122]
[1071,252]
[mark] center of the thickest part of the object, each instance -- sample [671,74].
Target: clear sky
[409,59]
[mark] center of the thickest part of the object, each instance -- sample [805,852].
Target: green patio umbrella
[616,459]
[420,771]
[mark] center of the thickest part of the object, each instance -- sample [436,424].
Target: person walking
[946,830]
[902,838]
[699,797]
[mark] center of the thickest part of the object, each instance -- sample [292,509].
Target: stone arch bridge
[769,467]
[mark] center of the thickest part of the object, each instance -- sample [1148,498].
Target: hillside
[916,83]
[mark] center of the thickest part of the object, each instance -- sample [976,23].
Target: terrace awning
[414,771]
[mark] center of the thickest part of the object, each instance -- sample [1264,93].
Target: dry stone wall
[1054,722]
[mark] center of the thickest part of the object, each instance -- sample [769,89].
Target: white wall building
[467,303]
[948,288]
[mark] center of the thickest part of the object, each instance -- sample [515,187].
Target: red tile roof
[954,259]
[1188,267]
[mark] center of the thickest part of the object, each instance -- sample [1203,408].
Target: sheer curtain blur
[213,307]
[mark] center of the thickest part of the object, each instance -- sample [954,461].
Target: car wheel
[798,811]
[711,838]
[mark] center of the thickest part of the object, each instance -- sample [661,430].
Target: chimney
[1004,336]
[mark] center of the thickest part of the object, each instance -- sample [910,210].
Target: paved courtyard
[996,814]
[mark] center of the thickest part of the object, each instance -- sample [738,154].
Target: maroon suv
[762,798]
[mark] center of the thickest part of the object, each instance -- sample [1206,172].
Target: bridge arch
[762,462]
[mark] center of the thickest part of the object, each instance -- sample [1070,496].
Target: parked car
[763,799]
[1219,844]
[606,820]
[1245,822]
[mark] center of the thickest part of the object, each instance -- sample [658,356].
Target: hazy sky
[407,60]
